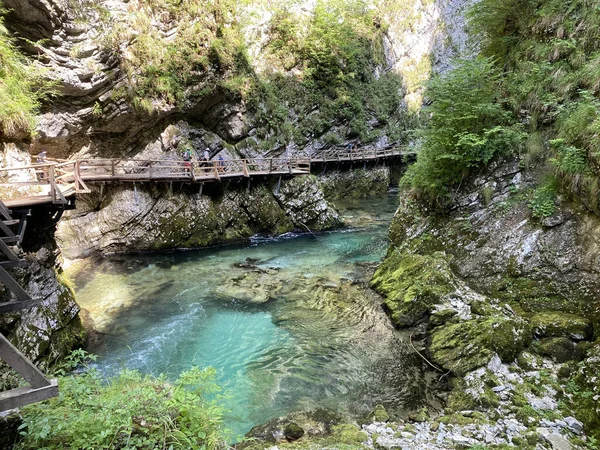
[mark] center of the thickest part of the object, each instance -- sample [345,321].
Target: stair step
[13,264]
[8,307]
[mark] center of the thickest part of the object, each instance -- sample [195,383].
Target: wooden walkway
[57,182]
[12,229]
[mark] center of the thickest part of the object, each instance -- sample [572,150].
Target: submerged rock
[293,431]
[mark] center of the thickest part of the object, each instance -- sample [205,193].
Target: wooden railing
[54,182]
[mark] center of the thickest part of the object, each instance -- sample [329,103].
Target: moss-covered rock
[412,284]
[464,346]
[560,349]
[586,391]
[559,324]
[347,434]
[378,414]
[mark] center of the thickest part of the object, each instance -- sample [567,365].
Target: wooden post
[112,167]
[270,165]
[52,184]
[245,167]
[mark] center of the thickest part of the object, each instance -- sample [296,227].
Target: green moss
[347,434]
[470,344]
[412,284]
[560,349]
[559,324]
[379,414]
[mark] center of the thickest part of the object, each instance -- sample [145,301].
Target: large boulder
[462,347]
[559,324]
[412,285]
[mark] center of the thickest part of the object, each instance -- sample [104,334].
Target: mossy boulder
[412,284]
[587,392]
[560,349]
[559,324]
[347,434]
[293,431]
[462,347]
[378,414]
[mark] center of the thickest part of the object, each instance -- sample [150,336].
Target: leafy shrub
[467,129]
[129,411]
[542,200]
[549,54]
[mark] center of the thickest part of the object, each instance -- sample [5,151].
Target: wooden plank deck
[60,181]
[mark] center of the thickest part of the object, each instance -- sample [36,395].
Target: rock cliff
[488,280]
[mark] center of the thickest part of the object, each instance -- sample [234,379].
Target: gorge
[477,329]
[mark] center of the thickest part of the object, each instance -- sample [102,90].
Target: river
[289,323]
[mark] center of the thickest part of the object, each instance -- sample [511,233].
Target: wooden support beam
[16,398]
[11,284]
[12,264]
[15,359]
[7,251]
[4,211]
[4,228]
[9,307]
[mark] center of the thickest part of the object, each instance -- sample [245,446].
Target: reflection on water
[288,323]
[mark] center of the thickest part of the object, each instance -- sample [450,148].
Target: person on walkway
[221,164]
[187,160]
[41,159]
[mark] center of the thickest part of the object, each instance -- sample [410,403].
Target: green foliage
[468,127]
[22,88]
[334,52]
[542,199]
[129,411]
[549,54]
[207,47]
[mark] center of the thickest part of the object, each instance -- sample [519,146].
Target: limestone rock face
[48,332]
[487,278]
[141,219]
[356,183]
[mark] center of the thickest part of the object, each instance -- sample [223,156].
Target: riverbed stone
[559,324]
[293,431]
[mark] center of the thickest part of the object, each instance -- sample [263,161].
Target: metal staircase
[12,230]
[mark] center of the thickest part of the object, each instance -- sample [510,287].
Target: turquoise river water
[289,323]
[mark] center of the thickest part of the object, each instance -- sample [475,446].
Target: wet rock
[154,218]
[293,431]
[315,423]
[357,183]
[379,414]
[557,324]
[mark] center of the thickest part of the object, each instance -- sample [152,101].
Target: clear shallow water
[289,323]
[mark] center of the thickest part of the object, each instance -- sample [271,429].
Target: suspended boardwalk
[58,182]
